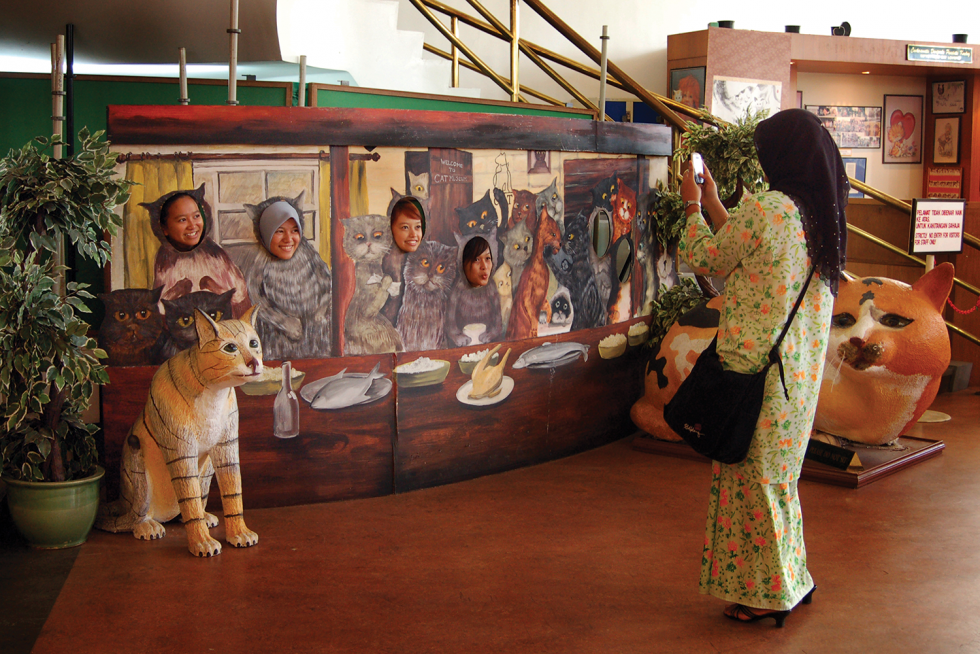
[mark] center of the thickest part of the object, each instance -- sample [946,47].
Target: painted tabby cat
[187,432]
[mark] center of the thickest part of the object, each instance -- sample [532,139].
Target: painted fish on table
[552,355]
[344,390]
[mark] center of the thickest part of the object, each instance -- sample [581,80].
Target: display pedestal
[876,463]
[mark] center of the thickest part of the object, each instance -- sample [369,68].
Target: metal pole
[454,24]
[302,80]
[602,73]
[57,90]
[183,76]
[69,113]
[233,32]
[515,50]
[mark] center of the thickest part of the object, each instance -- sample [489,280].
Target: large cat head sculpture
[888,349]
[887,352]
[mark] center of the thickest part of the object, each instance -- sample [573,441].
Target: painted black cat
[132,332]
[573,269]
[179,317]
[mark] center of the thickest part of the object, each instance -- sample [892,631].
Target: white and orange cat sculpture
[888,350]
[187,433]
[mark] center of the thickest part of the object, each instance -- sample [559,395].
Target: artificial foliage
[729,153]
[43,199]
[670,305]
[668,210]
[49,367]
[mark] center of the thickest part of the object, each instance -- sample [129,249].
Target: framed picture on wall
[856,167]
[946,145]
[687,86]
[851,127]
[949,97]
[903,129]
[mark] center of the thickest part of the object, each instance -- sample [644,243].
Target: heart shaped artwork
[907,120]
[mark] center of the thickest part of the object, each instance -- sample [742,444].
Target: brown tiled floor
[595,553]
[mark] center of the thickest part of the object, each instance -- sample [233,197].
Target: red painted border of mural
[220,125]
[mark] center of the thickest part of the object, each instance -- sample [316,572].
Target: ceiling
[123,31]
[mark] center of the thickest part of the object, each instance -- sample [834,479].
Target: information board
[937,226]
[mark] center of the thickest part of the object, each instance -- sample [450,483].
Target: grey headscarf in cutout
[272,219]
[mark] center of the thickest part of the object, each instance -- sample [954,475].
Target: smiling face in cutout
[285,240]
[183,224]
[406,232]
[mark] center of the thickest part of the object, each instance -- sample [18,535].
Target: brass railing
[668,108]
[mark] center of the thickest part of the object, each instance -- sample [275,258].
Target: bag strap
[774,357]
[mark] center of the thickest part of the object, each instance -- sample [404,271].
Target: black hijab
[801,159]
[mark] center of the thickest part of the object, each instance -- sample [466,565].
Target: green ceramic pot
[54,514]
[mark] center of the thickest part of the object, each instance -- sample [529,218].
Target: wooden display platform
[876,463]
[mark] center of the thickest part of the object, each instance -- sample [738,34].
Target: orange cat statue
[887,352]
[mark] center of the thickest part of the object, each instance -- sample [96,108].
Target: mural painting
[355,259]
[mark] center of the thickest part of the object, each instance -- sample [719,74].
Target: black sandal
[742,613]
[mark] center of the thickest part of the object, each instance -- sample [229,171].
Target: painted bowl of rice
[638,334]
[612,346]
[421,372]
[468,361]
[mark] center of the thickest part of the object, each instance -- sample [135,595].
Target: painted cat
[524,210]
[366,241]
[551,200]
[504,280]
[470,305]
[181,313]
[531,297]
[418,185]
[206,267]
[132,332]
[517,243]
[393,263]
[886,355]
[481,219]
[623,211]
[187,433]
[430,273]
[294,295]
[646,254]
[572,266]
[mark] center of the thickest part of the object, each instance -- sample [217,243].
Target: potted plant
[49,366]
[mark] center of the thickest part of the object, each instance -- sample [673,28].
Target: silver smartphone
[698,165]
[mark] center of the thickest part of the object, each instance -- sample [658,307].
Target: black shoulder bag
[716,410]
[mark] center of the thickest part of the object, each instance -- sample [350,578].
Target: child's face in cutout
[478,270]
[406,232]
[285,240]
[183,224]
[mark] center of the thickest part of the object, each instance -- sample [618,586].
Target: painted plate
[463,394]
[379,388]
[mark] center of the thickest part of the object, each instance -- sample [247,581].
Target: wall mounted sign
[939,53]
[944,182]
[851,127]
[938,227]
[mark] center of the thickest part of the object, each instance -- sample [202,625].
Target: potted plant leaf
[49,366]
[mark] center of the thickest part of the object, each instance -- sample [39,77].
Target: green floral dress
[753,547]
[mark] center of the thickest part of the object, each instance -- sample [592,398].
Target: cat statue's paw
[245,538]
[207,546]
[210,520]
[149,529]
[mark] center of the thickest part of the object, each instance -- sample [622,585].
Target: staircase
[362,37]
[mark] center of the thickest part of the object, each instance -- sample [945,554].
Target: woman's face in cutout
[285,240]
[478,270]
[406,232]
[183,224]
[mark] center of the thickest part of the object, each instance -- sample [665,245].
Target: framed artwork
[945,182]
[539,161]
[733,97]
[949,97]
[903,129]
[851,127]
[946,145]
[856,167]
[687,86]
[799,99]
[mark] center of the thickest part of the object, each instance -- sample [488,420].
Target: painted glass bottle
[286,408]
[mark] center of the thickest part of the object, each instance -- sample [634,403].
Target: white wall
[900,180]
[639,29]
